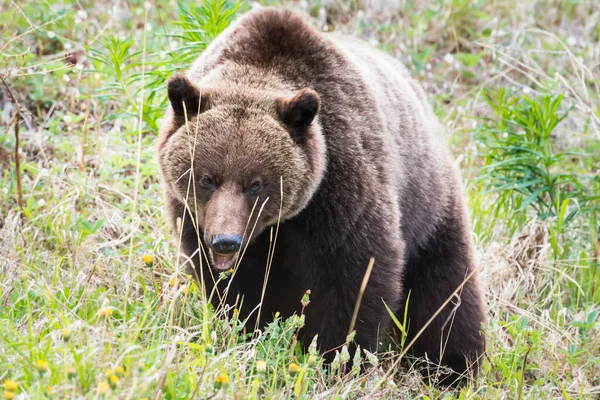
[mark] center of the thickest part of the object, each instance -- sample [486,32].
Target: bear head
[240,160]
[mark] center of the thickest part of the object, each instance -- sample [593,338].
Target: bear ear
[182,91]
[299,111]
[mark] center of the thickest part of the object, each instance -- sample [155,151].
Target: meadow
[93,304]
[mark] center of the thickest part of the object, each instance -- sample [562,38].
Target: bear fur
[274,106]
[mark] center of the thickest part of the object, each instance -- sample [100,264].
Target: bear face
[231,153]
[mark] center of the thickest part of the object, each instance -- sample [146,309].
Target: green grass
[516,84]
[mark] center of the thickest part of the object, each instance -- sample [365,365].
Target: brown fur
[365,170]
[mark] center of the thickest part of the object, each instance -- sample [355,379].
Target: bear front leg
[332,305]
[433,273]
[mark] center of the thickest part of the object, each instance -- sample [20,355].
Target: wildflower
[114,381]
[189,276]
[71,373]
[230,270]
[48,389]
[372,358]
[356,361]
[106,311]
[293,369]
[103,388]
[335,364]
[305,299]
[173,281]
[10,385]
[9,395]
[185,289]
[277,315]
[312,349]
[148,259]
[344,355]
[42,365]
[119,370]
[235,312]
[66,334]
[108,373]
[261,366]
[221,381]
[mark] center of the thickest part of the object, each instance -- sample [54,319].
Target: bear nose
[226,244]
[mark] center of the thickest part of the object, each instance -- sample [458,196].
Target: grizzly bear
[295,156]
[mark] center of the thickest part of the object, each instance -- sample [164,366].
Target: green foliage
[520,157]
[136,79]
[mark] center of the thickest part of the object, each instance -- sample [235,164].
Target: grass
[93,304]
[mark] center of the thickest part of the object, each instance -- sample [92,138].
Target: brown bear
[276,107]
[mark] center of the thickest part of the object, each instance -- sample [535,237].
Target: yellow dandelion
[66,334]
[48,389]
[230,270]
[224,379]
[11,385]
[277,314]
[261,366]
[113,380]
[147,259]
[42,365]
[185,289]
[108,373]
[106,311]
[119,370]
[221,381]
[71,373]
[235,312]
[9,395]
[293,369]
[103,388]
[173,281]
[189,276]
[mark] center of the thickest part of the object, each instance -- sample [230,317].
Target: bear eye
[254,187]
[207,181]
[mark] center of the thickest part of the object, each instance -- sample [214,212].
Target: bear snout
[226,244]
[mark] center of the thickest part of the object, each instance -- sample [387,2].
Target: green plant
[520,158]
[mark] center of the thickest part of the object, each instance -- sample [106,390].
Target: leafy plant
[129,72]
[521,158]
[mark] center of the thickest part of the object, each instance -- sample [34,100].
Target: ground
[93,304]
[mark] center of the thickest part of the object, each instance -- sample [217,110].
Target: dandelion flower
[106,311]
[48,389]
[147,259]
[103,388]
[119,370]
[173,281]
[221,381]
[42,365]
[9,395]
[293,369]
[71,373]
[66,334]
[108,373]
[10,385]
[114,380]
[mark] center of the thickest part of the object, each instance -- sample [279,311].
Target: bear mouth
[223,262]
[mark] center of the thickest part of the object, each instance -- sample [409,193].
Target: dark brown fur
[365,170]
